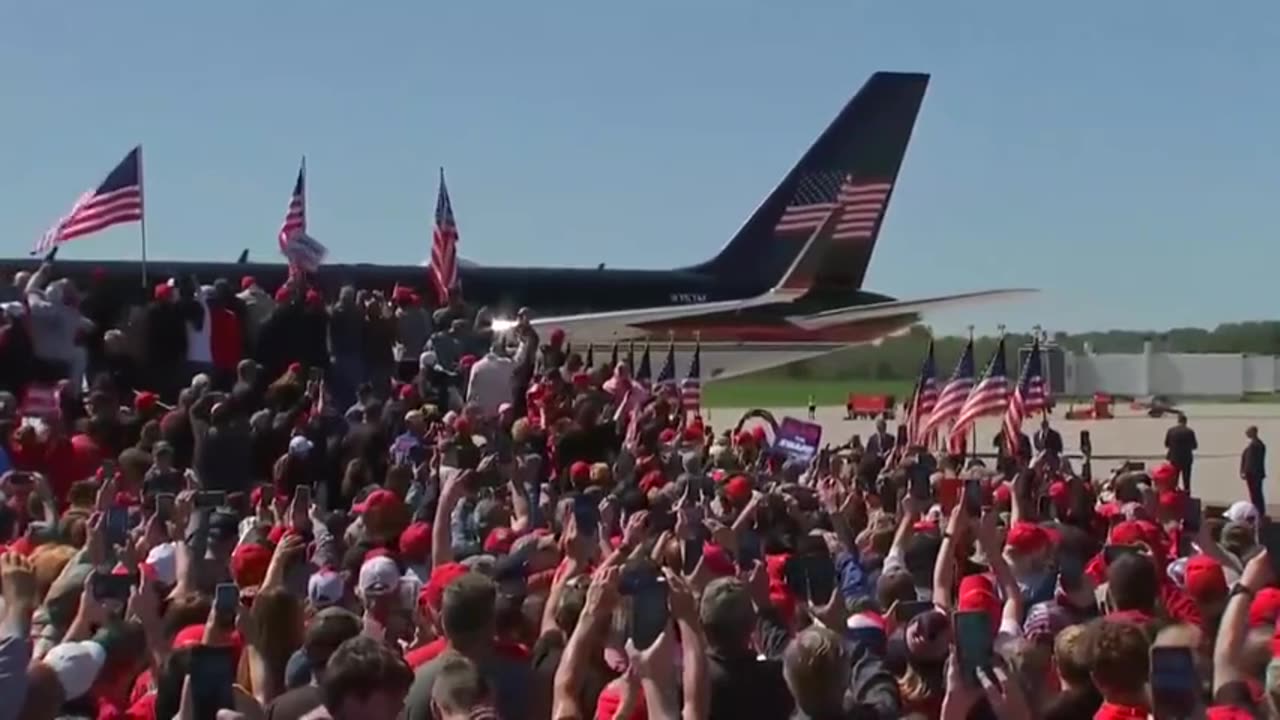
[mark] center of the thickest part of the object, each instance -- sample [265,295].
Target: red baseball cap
[441,577]
[247,282]
[738,490]
[249,563]
[145,401]
[499,541]
[415,541]
[1027,537]
[580,470]
[376,499]
[1204,579]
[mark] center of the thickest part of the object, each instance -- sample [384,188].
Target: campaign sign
[798,440]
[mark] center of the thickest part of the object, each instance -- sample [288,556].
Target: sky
[1121,157]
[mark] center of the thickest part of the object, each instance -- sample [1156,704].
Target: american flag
[444,246]
[691,386]
[953,394]
[989,396]
[644,373]
[667,373]
[1028,398]
[117,200]
[925,398]
[862,203]
[295,218]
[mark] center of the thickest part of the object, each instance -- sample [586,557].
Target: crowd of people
[267,505]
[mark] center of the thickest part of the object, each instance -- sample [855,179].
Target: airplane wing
[854,313]
[790,286]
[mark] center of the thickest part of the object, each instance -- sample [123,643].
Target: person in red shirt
[226,343]
[1120,669]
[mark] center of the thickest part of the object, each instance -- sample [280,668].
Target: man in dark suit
[1180,442]
[881,443]
[1253,468]
[1048,439]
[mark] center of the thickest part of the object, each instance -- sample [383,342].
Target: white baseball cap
[378,576]
[1242,511]
[76,664]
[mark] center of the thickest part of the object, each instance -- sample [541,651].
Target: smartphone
[20,478]
[116,525]
[974,637]
[302,494]
[1174,682]
[904,611]
[212,672]
[226,598]
[1086,443]
[690,554]
[749,550]
[693,491]
[973,497]
[108,468]
[586,514]
[317,374]
[919,482]
[209,499]
[649,613]
[108,586]
[1191,516]
[164,505]
[1269,538]
[1111,553]
[1133,466]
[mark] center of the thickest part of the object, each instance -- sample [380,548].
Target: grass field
[774,392]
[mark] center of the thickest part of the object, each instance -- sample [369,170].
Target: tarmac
[1131,435]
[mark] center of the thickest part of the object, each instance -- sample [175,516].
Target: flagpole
[142,223]
[1037,332]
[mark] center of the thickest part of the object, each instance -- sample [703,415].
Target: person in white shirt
[491,380]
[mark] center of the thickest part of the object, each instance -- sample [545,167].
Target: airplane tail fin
[852,167]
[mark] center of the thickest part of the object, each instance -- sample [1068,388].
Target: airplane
[787,286]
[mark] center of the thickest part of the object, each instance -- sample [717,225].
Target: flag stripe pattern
[1028,396]
[862,203]
[954,393]
[989,396]
[691,386]
[117,200]
[295,217]
[444,245]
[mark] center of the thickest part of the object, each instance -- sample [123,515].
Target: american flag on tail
[117,200]
[954,393]
[818,193]
[691,386]
[989,396]
[444,246]
[925,398]
[1028,398]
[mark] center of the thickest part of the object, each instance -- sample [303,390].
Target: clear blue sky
[1102,151]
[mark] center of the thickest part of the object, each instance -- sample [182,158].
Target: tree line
[899,357]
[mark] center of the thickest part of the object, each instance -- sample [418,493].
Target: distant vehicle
[787,286]
[859,406]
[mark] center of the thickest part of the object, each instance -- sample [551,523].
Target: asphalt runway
[1219,429]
